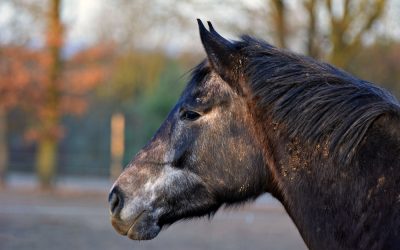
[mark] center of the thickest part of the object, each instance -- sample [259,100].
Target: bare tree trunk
[46,161]
[48,143]
[280,22]
[312,33]
[343,48]
[3,146]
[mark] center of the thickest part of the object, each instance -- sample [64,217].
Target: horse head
[203,156]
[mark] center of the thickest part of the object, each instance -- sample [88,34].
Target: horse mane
[314,100]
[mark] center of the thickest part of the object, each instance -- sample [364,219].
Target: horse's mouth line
[156,163]
[134,221]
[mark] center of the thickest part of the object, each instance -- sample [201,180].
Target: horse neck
[333,206]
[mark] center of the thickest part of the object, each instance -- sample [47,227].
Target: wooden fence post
[117,144]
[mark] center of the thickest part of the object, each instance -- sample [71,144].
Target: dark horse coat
[256,119]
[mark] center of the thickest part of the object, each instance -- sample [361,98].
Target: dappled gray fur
[314,100]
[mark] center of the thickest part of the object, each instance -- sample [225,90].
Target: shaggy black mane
[314,100]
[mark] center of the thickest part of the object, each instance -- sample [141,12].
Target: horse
[257,119]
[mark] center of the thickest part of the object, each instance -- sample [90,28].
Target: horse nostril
[116,200]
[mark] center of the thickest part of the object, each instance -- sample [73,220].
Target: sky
[82,14]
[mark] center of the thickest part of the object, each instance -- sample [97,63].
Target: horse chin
[143,233]
[143,227]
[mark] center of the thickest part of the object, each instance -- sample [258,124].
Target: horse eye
[190,115]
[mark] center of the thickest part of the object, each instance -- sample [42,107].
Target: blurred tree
[279,15]
[348,22]
[347,29]
[48,86]
[132,23]
[14,35]
[151,107]
[134,72]
[140,56]
[312,47]
[14,79]
[66,94]
[20,74]
[49,115]
[383,69]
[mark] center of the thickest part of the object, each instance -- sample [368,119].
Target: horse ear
[222,54]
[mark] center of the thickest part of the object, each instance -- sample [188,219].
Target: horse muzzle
[132,219]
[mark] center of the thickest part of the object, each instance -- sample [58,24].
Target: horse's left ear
[223,56]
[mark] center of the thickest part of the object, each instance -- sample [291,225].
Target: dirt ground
[68,219]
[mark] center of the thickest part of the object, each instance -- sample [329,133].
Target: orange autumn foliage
[21,76]
[82,73]
[24,79]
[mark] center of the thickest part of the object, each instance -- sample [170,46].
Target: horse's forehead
[210,87]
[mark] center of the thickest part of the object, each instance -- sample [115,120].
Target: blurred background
[84,84]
